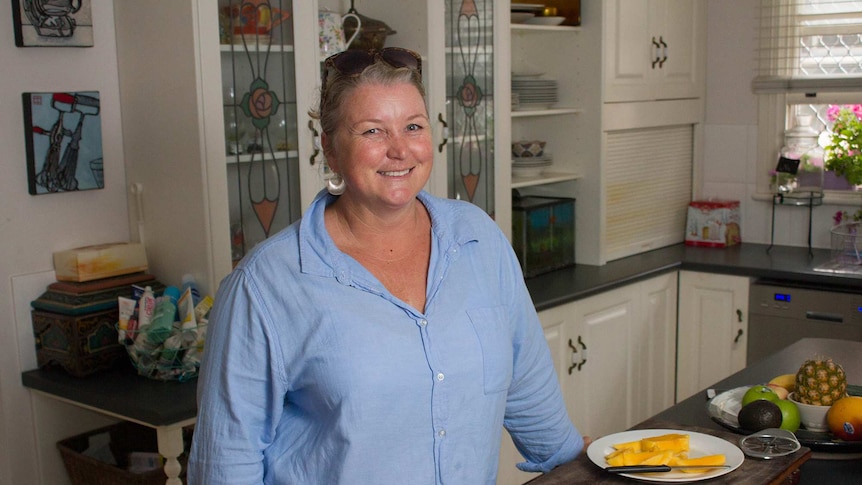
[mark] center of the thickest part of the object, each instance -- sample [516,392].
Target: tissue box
[543,233]
[713,223]
[101,261]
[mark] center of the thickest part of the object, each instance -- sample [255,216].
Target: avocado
[758,415]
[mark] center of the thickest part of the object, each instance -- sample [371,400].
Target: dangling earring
[335,185]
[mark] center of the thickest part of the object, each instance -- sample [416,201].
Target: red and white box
[713,223]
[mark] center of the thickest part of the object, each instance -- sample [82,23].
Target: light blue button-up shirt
[314,373]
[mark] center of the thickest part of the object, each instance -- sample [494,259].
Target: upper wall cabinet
[652,49]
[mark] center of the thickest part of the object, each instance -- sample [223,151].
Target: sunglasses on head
[353,62]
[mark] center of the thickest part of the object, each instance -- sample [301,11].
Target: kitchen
[41,225]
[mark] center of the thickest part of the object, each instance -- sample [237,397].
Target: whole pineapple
[820,382]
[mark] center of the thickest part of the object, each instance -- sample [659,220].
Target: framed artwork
[63,133]
[52,23]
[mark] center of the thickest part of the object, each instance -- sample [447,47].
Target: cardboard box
[713,223]
[100,261]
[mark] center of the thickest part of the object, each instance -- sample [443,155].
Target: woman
[388,336]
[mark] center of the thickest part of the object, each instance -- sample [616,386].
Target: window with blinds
[647,176]
[809,46]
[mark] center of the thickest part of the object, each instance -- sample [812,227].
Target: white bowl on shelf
[545,21]
[520,17]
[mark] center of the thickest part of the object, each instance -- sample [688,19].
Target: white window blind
[648,188]
[809,46]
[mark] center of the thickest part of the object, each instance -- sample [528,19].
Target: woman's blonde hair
[339,87]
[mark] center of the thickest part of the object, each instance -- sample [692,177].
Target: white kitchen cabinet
[614,355]
[630,335]
[654,49]
[713,329]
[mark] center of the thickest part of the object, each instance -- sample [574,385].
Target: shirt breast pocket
[494,336]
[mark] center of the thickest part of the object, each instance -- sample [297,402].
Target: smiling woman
[352,337]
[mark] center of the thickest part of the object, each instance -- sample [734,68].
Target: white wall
[33,227]
[730,132]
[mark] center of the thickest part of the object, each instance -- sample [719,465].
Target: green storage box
[543,233]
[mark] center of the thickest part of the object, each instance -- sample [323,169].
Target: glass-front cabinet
[470,101]
[217,137]
[258,73]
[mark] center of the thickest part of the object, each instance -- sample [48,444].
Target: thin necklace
[358,247]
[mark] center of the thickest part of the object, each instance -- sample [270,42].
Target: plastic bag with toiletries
[164,336]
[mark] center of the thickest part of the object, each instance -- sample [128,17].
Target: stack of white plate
[531,166]
[534,92]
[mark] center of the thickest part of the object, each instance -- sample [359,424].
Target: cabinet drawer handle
[739,315]
[738,336]
[575,363]
[445,132]
[657,47]
[315,141]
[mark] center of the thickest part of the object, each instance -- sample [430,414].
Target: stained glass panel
[470,100]
[260,113]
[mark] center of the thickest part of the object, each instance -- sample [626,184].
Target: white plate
[545,20]
[529,7]
[700,445]
[520,17]
[527,171]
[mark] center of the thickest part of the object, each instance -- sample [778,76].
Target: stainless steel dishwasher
[782,313]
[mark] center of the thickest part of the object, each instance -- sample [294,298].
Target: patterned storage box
[80,344]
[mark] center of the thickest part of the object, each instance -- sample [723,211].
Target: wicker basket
[125,438]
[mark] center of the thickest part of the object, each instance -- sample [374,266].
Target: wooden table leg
[170,447]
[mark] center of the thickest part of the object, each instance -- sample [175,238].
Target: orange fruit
[844,418]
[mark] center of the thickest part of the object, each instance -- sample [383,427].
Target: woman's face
[382,147]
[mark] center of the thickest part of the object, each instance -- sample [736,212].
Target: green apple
[759,392]
[790,417]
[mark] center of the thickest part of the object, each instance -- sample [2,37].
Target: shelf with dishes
[256,157]
[547,177]
[526,113]
[543,28]
[255,47]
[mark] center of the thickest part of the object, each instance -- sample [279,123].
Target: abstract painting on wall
[63,133]
[52,23]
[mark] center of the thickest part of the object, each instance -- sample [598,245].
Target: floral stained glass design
[469,90]
[260,119]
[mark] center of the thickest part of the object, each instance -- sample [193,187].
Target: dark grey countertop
[782,263]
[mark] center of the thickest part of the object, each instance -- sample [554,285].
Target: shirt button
[441,433]
[440,376]
[423,322]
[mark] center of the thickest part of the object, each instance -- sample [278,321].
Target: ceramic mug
[332,32]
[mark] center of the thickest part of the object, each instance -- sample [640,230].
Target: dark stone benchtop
[789,265]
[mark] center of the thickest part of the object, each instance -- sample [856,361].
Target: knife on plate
[656,468]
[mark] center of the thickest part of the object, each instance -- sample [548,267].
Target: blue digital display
[785,297]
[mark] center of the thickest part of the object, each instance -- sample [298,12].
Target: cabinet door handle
[445,132]
[738,336]
[315,142]
[739,315]
[656,48]
[583,357]
[663,50]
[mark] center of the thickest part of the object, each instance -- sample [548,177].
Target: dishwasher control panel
[805,303]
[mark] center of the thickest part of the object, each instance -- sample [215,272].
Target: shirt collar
[319,255]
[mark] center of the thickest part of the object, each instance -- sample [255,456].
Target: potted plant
[844,152]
